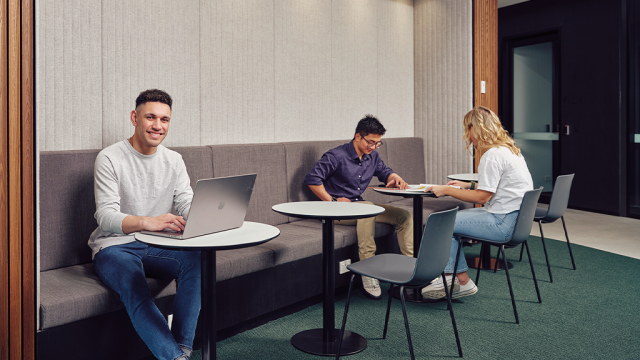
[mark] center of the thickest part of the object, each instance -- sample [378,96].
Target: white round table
[249,234]
[464,177]
[324,341]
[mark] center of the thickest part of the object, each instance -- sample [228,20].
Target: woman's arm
[474,196]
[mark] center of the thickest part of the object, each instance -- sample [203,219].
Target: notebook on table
[218,204]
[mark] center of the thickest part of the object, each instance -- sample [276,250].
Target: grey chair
[557,207]
[521,232]
[411,272]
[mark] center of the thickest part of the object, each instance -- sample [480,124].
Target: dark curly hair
[153,95]
[369,124]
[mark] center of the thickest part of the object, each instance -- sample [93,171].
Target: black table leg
[328,282]
[324,341]
[415,295]
[488,263]
[208,306]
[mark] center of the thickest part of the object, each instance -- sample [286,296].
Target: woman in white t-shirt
[503,178]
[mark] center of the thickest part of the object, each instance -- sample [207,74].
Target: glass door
[534,128]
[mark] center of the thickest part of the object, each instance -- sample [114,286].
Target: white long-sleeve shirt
[127,182]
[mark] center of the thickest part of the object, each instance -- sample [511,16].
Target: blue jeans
[479,223]
[123,268]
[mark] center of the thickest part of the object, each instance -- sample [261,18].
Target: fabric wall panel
[149,45]
[237,38]
[68,72]
[395,67]
[354,65]
[302,65]
[443,83]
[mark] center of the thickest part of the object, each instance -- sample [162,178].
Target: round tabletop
[249,234]
[464,177]
[416,190]
[328,210]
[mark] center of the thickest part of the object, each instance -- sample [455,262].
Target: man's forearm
[320,192]
[132,224]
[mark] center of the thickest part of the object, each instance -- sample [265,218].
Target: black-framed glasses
[373,143]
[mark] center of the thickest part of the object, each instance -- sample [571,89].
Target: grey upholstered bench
[79,315]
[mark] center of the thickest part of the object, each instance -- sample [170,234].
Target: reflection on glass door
[534,129]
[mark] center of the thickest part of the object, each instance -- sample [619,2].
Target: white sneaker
[371,287]
[467,289]
[435,290]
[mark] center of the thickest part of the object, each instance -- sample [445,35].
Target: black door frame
[633,109]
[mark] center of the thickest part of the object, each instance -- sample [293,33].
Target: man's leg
[120,268]
[403,221]
[184,266]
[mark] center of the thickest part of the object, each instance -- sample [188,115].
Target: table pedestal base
[311,341]
[473,262]
[414,295]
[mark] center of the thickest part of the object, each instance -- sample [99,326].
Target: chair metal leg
[513,300]
[344,317]
[495,266]
[455,266]
[480,263]
[521,251]
[386,319]
[453,319]
[544,246]
[568,243]
[406,322]
[533,273]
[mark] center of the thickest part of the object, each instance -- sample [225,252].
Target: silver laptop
[218,204]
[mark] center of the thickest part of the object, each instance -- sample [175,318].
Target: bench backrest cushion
[406,157]
[198,161]
[67,205]
[300,157]
[266,160]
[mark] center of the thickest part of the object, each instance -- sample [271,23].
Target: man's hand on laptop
[166,221]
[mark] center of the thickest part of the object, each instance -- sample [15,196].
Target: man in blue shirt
[343,174]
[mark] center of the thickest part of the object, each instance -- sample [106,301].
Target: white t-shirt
[507,176]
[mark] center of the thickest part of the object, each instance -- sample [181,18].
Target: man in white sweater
[138,183]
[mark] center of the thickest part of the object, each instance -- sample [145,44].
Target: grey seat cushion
[298,242]
[74,293]
[431,205]
[346,232]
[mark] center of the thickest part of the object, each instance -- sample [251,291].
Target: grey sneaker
[435,290]
[371,288]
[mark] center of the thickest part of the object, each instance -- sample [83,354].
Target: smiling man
[137,183]
[343,174]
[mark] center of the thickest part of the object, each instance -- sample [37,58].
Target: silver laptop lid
[219,204]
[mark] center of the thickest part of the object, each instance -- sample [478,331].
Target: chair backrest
[435,247]
[559,198]
[524,222]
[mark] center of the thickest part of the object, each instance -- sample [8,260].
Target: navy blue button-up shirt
[343,174]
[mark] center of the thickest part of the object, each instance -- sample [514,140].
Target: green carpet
[589,313]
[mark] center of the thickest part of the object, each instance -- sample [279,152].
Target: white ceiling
[503,3]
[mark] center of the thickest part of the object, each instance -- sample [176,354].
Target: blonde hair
[487,129]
